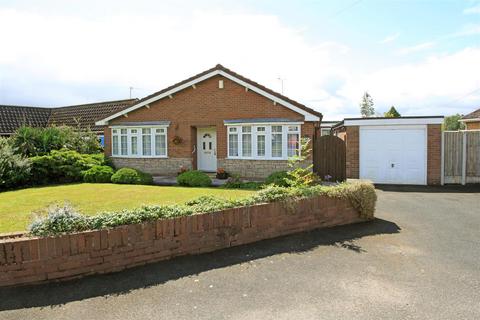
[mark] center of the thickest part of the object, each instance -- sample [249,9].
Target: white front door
[393,155]
[207,149]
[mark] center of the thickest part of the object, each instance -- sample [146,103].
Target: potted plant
[182,170]
[222,174]
[177,140]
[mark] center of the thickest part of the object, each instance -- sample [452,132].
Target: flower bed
[132,238]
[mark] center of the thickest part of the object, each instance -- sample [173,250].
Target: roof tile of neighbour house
[13,117]
[472,115]
[219,67]
[85,115]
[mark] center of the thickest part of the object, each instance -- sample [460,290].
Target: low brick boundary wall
[34,260]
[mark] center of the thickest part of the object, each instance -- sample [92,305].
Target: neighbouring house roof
[329,124]
[472,116]
[84,116]
[13,117]
[310,114]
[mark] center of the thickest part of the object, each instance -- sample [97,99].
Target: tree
[452,123]
[366,106]
[392,113]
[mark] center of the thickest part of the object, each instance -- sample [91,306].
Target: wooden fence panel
[473,157]
[461,156]
[329,158]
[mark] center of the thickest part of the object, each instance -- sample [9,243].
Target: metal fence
[461,157]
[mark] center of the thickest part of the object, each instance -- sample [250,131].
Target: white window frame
[139,136]
[268,140]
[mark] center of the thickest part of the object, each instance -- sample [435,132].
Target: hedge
[361,195]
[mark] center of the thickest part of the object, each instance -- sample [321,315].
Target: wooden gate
[329,158]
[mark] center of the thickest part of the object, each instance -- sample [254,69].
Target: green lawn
[16,207]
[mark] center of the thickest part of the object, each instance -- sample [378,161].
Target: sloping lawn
[16,207]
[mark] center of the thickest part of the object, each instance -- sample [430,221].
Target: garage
[404,150]
[393,155]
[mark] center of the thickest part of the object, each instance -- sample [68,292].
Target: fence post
[442,165]
[464,157]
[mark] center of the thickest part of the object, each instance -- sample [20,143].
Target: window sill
[140,157]
[261,159]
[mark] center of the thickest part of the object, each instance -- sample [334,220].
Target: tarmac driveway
[420,259]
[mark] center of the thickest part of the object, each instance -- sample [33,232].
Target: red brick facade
[352,139]
[34,260]
[207,105]
[434,154]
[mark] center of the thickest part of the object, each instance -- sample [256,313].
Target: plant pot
[222,176]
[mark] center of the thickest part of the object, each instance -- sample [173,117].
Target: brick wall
[35,260]
[352,141]
[207,105]
[473,125]
[154,166]
[434,154]
[255,168]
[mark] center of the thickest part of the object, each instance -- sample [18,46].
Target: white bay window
[139,142]
[263,141]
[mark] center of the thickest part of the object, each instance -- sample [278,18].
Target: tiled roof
[226,70]
[85,115]
[13,117]
[472,115]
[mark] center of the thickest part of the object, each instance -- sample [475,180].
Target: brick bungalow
[80,116]
[215,119]
[472,120]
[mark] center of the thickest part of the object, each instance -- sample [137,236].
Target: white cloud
[472,10]
[467,30]
[432,86]
[60,59]
[390,38]
[416,48]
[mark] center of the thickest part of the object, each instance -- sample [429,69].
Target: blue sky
[421,56]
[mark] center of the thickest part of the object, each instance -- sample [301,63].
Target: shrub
[61,166]
[14,168]
[64,219]
[299,174]
[194,178]
[98,174]
[278,179]
[41,141]
[131,176]
[59,219]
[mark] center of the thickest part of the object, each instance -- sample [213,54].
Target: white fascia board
[470,120]
[308,116]
[392,122]
[246,124]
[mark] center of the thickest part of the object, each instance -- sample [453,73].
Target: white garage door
[393,155]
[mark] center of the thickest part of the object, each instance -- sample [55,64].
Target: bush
[64,219]
[278,179]
[62,166]
[98,174]
[194,178]
[14,168]
[131,176]
[59,219]
[41,141]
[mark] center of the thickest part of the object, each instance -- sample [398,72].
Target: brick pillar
[353,153]
[434,153]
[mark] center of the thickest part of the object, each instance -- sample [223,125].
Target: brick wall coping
[30,260]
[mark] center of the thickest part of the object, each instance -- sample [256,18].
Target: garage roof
[383,121]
